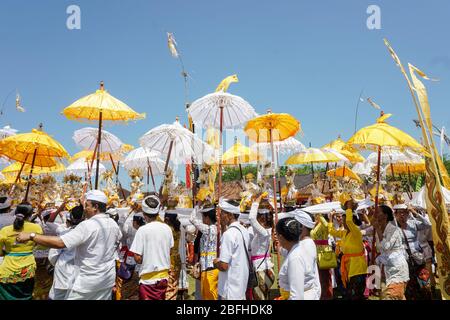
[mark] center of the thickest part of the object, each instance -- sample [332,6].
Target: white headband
[400,206]
[304,218]
[149,210]
[225,206]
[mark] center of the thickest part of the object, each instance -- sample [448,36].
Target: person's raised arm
[257,227]
[198,224]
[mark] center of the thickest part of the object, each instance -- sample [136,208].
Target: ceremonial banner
[434,199]
[435,202]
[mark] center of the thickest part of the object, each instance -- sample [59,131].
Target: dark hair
[289,228]
[3,200]
[139,220]
[76,214]
[387,211]
[100,205]
[289,208]
[356,220]
[268,218]
[211,214]
[23,212]
[173,221]
[152,203]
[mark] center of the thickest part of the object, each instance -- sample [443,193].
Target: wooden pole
[219,191]
[30,176]
[151,173]
[18,177]
[275,191]
[165,167]
[99,141]
[116,171]
[376,201]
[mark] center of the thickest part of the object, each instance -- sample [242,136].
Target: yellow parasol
[343,172]
[347,151]
[101,106]
[272,127]
[381,135]
[16,166]
[406,168]
[312,155]
[29,147]
[238,153]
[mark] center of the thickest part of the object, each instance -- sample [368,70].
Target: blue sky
[307,58]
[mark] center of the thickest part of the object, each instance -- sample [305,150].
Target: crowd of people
[144,251]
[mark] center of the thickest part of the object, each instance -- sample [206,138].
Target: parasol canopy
[7,131]
[80,167]
[86,138]
[313,155]
[286,146]
[90,107]
[419,200]
[14,168]
[141,158]
[177,140]
[22,147]
[272,127]
[206,110]
[238,153]
[381,134]
[347,151]
[343,172]
[405,168]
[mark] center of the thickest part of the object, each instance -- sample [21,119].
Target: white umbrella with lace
[80,167]
[144,159]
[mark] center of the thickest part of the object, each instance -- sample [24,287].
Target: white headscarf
[149,210]
[225,206]
[304,218]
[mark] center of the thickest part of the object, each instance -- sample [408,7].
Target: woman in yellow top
[353,262]
[320,236]
[19,266]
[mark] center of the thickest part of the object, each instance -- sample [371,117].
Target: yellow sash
[162,274]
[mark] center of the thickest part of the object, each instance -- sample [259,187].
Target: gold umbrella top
[14,168]
[238,153]
[112,109]
[348,151]
[21,148]
[281,125]
[381,134]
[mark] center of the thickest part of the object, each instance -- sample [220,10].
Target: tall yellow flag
[434,199]
[425,106]
[435,203]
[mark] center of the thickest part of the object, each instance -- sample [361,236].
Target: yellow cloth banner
[435,203]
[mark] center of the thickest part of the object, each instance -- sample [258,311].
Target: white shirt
[63,260]
[260,242]
[233,282]
[393,255]
[96,241]
[299,273]
[153,242]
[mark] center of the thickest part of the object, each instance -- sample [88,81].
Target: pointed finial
[177,119]
[102,85]
[40,126]
[269,110]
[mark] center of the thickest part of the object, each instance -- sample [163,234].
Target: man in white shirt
[233,262]
[151,248]
[95,241]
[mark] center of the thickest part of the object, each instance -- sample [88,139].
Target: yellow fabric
[15,168]
[384,135]
[104,156]
[239,153]
[344,172]
[13,268]
[284,294]
[208,284]
[312,155]
[163,274]
[347,151]
[225,83]
[435,202]
[204,254]
[21,148]
[403,168]
[90,106]
[282,125]
[351,243]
